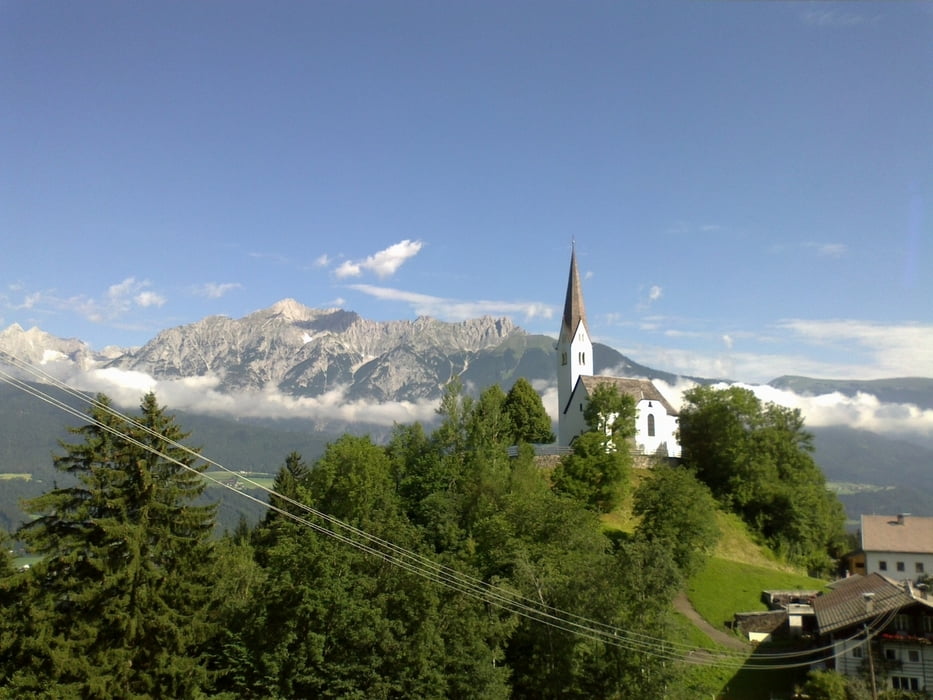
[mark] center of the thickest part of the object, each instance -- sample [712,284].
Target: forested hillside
[432,566]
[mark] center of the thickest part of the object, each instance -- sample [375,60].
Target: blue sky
[749,185]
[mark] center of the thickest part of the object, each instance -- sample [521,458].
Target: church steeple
[574,311]
[574,351]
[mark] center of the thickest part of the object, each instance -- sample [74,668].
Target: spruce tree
[118,603]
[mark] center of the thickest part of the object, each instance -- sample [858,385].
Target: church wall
[571,423]
[665,429]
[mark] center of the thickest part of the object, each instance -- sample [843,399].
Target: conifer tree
[118,602]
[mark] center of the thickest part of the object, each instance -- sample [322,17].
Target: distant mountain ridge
[304,352]
[307,352]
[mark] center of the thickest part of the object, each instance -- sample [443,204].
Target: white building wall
[665,426]
[914,660]
[574,358]
[849,656]
[665,429]
[899,565]
[907,659]
[572,423]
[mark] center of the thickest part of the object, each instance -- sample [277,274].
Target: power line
[413,562]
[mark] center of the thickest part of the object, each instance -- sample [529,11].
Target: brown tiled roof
[574,312]
[885,533]
[846,604]
[638,389]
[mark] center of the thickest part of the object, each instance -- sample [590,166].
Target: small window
[902,623]
[900,566]
[927,624]
[857,652]
[905,683]
[563,358]
[918,567]
[890,654]
[913,655]
[650,425]
[581,358]
[883,565]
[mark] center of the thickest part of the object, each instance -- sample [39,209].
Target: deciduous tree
[527,417]
[756,458]
[595,473]
[677,511]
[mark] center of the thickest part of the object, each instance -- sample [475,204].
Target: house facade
[892,621]
[656,418]
[899,547]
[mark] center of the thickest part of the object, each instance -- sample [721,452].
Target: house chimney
[869,602]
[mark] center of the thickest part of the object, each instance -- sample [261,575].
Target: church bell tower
[574,349]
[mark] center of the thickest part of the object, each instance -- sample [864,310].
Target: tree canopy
[757,460]
[117,605]
[528,420]
[436,565]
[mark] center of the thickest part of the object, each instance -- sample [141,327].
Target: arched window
[650,425]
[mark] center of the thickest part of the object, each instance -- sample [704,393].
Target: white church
[656,418]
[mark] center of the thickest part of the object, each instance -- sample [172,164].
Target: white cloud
[456,310]
[202,395]
[383,264]
[835,18]
[728,341]
[121,298]
[862,411]
[649,297]
[214,290]
[348,269]
[146,299]
[30,301]
[322,260]
[904,350]
[828,250]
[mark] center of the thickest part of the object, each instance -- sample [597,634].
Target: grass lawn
[726,587]
[261,479]
[26,560]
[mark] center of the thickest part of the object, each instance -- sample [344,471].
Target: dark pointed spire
[574,312]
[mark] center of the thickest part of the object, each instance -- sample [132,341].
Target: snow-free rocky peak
[306,352]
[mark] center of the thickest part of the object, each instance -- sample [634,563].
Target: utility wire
[422,566]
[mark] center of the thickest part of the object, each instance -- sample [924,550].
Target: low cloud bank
[862,411]
[203,395]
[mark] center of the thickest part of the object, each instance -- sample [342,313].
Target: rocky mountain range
[294,351]
[305,352]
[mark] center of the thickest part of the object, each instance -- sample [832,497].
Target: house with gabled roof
[892,621]
[656,418]
[900,546]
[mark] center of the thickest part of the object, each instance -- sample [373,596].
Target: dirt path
[682,605]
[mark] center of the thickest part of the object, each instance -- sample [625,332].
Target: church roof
[638,389]
[574,312]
